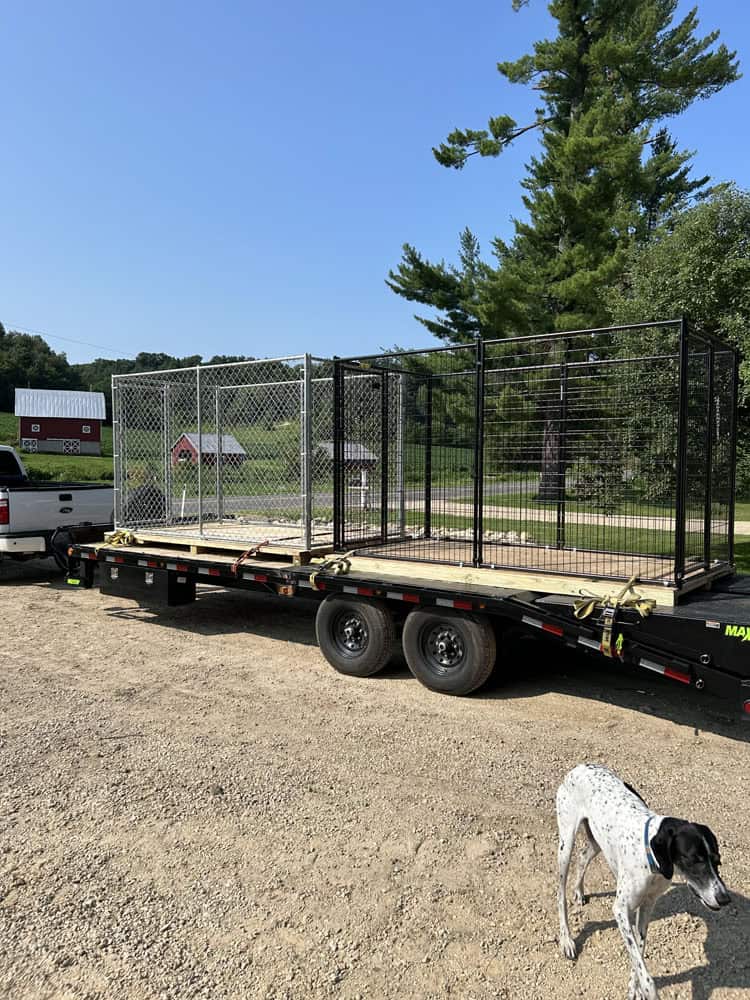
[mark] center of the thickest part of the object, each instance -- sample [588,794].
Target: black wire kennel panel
[581,452]
[604,453]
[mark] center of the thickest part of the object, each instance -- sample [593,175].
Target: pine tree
[607,173]
[453,291]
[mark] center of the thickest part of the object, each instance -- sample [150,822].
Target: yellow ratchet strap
[120,537]
[610,605]
[338,565]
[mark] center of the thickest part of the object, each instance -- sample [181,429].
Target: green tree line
[27,361]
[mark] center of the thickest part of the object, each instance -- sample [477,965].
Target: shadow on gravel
[526,670]
[222,612]
[30,572]
[533,667]
[726,947]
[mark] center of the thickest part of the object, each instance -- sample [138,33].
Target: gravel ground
[193,804]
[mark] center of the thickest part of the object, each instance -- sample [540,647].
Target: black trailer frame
[699,643]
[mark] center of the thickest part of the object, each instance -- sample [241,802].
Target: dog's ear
[661,846]
[710,839]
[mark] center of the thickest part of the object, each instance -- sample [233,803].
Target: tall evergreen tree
[607,173]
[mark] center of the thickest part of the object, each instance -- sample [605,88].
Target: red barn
[59,421]
[185,449]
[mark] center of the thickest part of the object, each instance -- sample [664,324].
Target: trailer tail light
[4,511]
[746,708]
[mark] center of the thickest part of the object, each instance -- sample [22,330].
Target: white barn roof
[60,403]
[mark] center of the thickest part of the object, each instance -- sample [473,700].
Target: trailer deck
[559,571]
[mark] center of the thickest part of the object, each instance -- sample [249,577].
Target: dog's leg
[568,827]
[643,918]
[587,854]
[642,986]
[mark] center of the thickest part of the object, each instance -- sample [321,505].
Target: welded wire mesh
[226,452]
[605,453]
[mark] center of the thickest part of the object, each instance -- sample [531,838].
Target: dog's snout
[723,897]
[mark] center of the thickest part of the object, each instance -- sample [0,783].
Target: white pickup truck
[30,513]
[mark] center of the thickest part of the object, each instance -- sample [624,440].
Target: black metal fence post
[562,451]
[384,477]
[733,455]
[428,461]
[479,457]
[708,459]
[682,441]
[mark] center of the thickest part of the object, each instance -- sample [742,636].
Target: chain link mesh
[233,452]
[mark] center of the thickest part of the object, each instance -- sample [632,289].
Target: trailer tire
[357,637]
[449,651]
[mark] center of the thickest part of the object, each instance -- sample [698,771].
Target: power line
[14,327]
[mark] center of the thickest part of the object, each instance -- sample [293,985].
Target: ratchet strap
[610,605]
[250,554]
[338,565]
[120,537]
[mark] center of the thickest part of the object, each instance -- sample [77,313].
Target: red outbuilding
[60,421]
[185,449]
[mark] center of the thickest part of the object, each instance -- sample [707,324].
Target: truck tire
[356,636]
[449,651]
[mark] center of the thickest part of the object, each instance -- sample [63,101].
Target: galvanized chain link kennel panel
[239,452]
[606,453]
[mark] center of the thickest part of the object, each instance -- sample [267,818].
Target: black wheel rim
[350,633]
[443,648]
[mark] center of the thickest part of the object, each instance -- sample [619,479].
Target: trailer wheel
[356,637]
[449,651]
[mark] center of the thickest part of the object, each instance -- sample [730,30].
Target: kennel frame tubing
[733,452]
[306,450]
[198,417]
[479,442]
[683,357]
[526,338]
[384,458]
[708,464]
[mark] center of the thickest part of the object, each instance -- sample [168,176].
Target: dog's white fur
[613,819]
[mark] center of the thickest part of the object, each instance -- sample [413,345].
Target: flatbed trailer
[452,633]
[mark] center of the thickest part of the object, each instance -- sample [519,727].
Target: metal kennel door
[368,484]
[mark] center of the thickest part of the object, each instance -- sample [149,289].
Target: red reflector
[463,605]
[677,675]
[554,629]
[4,511]
[119,559]
[181,567]
[261,578]
[213,572]
[365,591]
[746,707]
[412,598]
[152,563]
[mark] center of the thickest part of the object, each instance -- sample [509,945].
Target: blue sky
[238,177]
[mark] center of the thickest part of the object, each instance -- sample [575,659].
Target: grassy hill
[61,468]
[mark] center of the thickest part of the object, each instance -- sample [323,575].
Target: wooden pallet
[195,545]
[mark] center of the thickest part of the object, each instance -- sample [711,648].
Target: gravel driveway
[193,804]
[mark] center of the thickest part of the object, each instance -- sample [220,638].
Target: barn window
[35,428]
[86,429]
[184,455]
